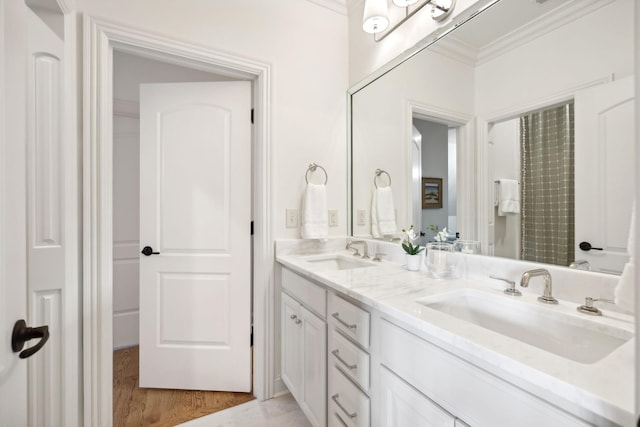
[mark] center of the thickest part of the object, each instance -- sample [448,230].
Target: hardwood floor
[133,406]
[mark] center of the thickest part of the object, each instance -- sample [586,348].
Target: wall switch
[292,218]
[362,217]
[333,218]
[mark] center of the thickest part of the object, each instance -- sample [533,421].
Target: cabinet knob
[298,321]
[293,317]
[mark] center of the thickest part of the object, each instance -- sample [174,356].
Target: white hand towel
[315,217]
[625,296]
[383,212]
[508,197]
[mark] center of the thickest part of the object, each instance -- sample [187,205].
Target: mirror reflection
[515,129]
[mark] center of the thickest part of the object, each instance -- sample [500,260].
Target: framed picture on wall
[431,193]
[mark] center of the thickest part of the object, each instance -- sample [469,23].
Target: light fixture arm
[446,11]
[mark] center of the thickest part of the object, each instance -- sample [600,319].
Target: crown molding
[456,49]
[538,27]
[339,6]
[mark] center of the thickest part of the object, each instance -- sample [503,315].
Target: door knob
[586,246]
[22,333]
[148,251]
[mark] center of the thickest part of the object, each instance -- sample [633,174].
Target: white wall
[505,157]
[382,124]
[305,43]
[587,49]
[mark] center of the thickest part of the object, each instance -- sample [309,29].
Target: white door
[195,212]
[32,227]
[604,173]
[13,261]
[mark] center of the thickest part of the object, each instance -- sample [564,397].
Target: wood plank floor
[133,406]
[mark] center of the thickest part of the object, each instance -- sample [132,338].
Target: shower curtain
[547,186]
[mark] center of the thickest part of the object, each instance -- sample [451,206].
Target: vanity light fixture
[375,19]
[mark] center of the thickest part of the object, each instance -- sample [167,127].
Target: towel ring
[378,173]
[312,168]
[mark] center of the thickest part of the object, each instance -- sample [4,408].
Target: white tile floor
[281,411]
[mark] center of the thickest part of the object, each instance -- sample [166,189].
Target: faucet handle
[377,256]
[588,307]
[511,290]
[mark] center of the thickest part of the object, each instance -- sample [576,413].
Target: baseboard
[125,330]
[279,389]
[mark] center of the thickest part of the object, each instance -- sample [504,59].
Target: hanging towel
[508,197]
[625,296]
[383,212]
[315,217]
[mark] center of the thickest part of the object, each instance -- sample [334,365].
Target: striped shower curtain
[547,185]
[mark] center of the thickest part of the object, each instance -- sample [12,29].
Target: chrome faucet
[580,264]
[546,298]
[365,248]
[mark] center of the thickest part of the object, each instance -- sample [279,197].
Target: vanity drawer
[353,361]
[348,405]
[305,291]
[352,321]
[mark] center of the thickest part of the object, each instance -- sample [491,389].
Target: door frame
[100,38]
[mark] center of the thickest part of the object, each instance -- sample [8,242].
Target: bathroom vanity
[371,344]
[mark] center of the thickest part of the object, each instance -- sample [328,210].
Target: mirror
[471,96]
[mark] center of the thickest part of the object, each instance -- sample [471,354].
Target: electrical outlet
[362,217]
[333,218]
[292,218]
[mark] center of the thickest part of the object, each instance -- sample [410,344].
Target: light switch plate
[292,218]
[333,218]
[362,217]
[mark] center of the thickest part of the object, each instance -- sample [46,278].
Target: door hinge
[252,228]
[252,116]
[251,341]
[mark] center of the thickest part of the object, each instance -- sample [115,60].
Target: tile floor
[281,411]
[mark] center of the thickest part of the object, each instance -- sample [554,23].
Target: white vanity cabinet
[462,389]
[304,345]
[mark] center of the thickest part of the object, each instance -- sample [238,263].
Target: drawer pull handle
[336,353]
[342,423]
[335,398]
[345,324]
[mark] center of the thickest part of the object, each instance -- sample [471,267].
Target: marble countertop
[599,392]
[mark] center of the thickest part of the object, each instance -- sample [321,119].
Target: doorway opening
[133,404]
[101,39]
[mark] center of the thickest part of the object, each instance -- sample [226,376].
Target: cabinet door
[402,405]
[314,367]
[290,344]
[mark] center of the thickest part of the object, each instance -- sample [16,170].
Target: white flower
[441,236]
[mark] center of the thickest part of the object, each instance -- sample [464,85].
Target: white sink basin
[571,337]
[337,262]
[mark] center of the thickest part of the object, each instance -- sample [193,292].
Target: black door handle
[586,246]
[22,333]
[148,251]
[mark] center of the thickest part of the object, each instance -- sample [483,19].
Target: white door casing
[99,38]
[195,210]
[604,171]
